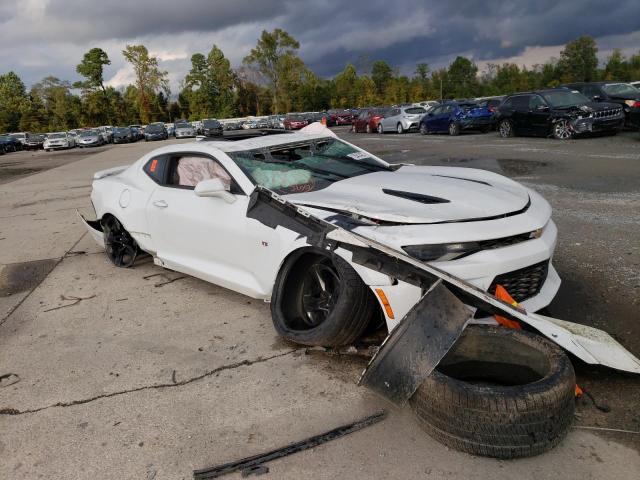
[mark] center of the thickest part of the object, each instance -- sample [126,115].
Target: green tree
[92,69]
[345,88]
[13,99]
[149,78]
[274,53]
[578,61]
[56,104]
[381,74]
[617,67]
[462,80]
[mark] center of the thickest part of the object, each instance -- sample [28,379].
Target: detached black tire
[499,393]
[319,299]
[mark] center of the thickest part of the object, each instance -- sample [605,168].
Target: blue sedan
[454,117]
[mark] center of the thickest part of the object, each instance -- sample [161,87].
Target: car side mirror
[430,114]
[214,187]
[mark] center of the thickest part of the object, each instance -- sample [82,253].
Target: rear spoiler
[109,172]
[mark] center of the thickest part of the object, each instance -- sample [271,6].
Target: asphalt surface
[143,373]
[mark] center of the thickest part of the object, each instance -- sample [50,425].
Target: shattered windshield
[305,166]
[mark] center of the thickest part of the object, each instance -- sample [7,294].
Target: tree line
[274,79]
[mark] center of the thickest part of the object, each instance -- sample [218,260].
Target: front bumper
[482,268]
[595,125]
[185,134]
[53,146]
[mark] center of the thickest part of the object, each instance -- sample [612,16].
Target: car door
[538,115]
[520,116]
[442,119]
[431,118]
[206,237]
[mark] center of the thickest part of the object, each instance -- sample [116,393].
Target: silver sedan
[401,119]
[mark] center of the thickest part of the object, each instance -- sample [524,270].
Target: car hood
[419,195]
[92,138]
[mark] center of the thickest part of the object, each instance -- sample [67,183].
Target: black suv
[560,112]
[212,128]
[622,93]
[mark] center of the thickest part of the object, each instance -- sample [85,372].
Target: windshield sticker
[358,155]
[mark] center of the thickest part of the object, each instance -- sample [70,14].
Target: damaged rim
[120,247]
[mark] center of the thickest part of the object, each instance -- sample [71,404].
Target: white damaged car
[186,206]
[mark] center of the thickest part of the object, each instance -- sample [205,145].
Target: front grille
[523,283]
[612,112]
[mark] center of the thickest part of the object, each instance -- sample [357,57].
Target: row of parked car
[563,112]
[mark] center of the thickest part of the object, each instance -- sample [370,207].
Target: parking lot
[144,373]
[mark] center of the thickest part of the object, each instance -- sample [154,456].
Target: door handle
[161,204]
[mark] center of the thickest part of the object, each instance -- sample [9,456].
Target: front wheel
[319,299]
[505,129]
[380,129]
[562,130]
[399,128]
[454,129]
[423,129]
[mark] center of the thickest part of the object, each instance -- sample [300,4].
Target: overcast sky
[49,37]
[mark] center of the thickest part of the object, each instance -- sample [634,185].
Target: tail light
[636,104]
[491,108]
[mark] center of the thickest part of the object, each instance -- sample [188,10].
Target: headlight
[441,252]
[451,251]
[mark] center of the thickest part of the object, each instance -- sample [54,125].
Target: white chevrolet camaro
[186,205]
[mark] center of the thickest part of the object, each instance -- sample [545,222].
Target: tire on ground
[499,393]
[347,319]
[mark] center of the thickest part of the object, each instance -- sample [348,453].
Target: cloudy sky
[49,37]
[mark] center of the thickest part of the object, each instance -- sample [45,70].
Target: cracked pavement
[152,376]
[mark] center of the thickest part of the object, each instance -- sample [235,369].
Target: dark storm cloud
[51,35]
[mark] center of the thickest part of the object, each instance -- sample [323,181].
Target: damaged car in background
[561,113]
[338,240]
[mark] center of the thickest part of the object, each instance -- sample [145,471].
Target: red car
[295,122]
[340,117]
[368,121]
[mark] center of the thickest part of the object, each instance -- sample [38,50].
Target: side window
[187,170]
[436,111]
[156,168]
[591,91]
[521,102]
[508,103]
[535,102]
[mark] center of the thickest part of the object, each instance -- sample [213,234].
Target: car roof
[263,141]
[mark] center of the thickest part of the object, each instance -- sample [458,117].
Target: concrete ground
[143,373]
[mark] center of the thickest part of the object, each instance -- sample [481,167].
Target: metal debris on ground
[250,463]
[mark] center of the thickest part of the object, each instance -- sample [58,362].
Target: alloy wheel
[562,130]
[505,129]
[320,288]
[120,247]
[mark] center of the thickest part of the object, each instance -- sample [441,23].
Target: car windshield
[295,118]
[210,123]
[620,89]
[154,127]
[124,130]
[415,110]
[88,133]
[183,125]
[56,135]
[565,98]
[306,166]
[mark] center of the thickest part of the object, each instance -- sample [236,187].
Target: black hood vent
[416,197]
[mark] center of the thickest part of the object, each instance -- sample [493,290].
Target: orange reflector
[502,294]
[385,303]
[579,391]
[154,165]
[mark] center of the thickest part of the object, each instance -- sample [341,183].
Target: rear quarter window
[155,168]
